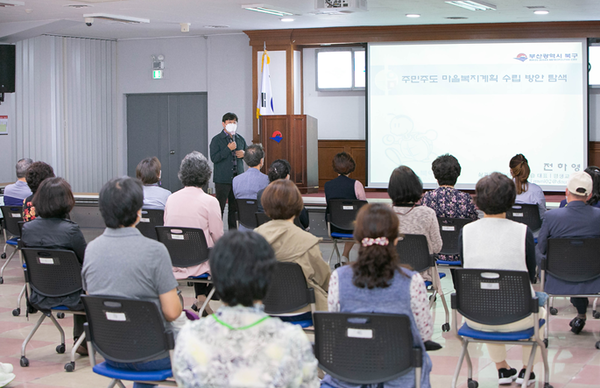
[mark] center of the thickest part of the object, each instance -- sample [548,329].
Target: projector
[340,6]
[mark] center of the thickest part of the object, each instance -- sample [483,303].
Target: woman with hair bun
[527,192]
[377,283]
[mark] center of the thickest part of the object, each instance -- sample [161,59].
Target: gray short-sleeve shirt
[122,262]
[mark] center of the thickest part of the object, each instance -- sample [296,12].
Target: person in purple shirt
[15,193]
[248,184]
[576,220]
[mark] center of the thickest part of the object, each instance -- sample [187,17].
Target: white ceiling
[54,17]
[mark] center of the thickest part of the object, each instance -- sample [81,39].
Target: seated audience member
[281,169]
[496,242]
[149,172]
[248,184]
[376,283]
[343,187]
[447,201]
[405,190]
[240,345]
[191,207]
[576,220]
[15,193]
[282,202]
[36,173]
[527,192]
[122,262]
[53,201]
[594,200]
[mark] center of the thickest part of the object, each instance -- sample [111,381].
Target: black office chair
[288,292]
[12,216]
[414,251]
[571,260]
[450,230]
[151,218]
[528,214]
[53,273]
[187,248]
[340,216]
[127,331]
[247,209]
[366,349]
[495,297]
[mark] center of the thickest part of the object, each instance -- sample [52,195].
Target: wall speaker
[7,68]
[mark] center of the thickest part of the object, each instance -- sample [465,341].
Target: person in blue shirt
[15,193]
[149,171]
[248,184]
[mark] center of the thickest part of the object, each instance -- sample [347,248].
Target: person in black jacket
[51,228]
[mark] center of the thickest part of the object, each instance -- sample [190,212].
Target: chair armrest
[535,307]
[90,346]
[311,295]
[543,264]
[417,354]
[453,301]
[170,339]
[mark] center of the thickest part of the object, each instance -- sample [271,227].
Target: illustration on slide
[405,144]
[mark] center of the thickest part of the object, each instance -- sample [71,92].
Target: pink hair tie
[367,241]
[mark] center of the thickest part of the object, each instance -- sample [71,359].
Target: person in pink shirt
[191,207]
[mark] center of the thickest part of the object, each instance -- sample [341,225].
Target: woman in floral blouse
[446,201]
[36,173]
[240,345]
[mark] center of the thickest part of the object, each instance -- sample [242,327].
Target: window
[340,69]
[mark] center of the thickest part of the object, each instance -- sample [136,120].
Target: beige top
[292,244]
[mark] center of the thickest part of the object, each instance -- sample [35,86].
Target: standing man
[227,151]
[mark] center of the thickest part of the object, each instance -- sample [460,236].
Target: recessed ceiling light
[541,12]
[215,26]
[473,5]
[261,9]
[287,19]
[413,15]
[455,17]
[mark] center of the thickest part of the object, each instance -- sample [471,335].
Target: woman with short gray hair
[191,207]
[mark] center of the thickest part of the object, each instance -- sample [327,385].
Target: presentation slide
[482,102]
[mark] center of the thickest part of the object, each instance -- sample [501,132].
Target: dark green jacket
[221,156]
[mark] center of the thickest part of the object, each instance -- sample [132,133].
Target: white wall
[341,115]
[219,65]
[7,142]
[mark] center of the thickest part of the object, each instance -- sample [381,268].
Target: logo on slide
[277,136]
[521,57]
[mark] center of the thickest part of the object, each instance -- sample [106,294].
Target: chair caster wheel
[24,361]
[547,385]
[3,255]
[472,383]
[596,314]
[60,348]
[70,366]
[434,298]
[546,343]
[598,345]
[16,312]
[60,315]
[553,311]
[446,327]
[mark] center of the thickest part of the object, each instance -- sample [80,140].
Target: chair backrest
[262,218]
[247,209]
[126,330]
[450,230]
[52,272]
[288,291]
[151,218]
[12,215]
[413,251]
[187,246]
[365,348]
[341,213]
[492,297]
[528,214]
[572,259]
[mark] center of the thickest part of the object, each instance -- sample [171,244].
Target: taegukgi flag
[264,104]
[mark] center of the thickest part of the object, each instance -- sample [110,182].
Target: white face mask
[231,128]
